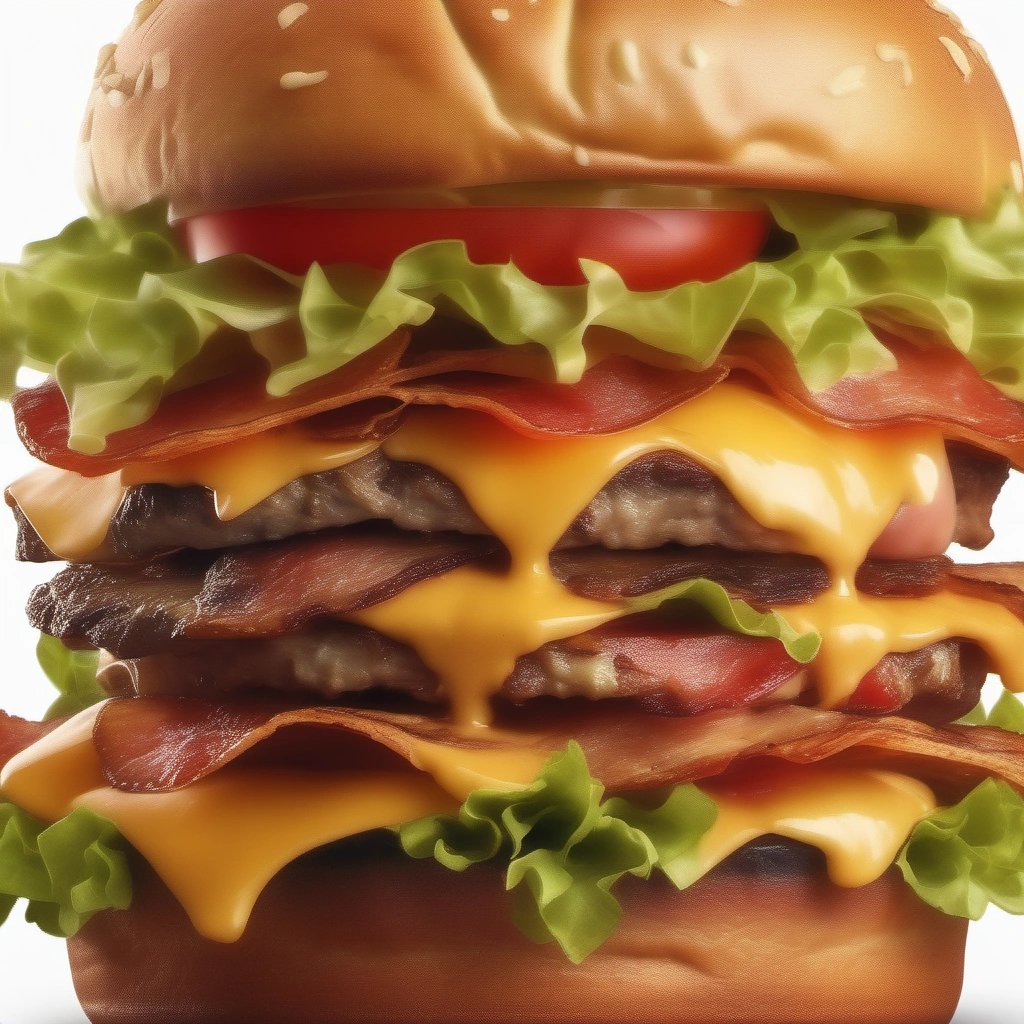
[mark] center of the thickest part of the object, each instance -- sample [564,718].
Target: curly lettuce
[73,675]
[962,859]
[1007,713]
[116,311]
[731,613]
[566,847]
[67,871]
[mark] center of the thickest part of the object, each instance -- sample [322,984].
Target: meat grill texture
[282,587]
[668,669]
[267,617]
[661,498]
[187,604]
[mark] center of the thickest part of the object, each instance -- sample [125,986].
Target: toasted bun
[393,941]
[218,105]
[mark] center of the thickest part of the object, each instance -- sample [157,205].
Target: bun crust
[221,106]
[393,941]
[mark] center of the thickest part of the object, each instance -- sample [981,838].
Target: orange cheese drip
[859,819]
[833,490]
[858,631]
[218,843]
[72,513]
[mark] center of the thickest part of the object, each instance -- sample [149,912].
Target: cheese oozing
[218,843]
[833,490]
[72,513]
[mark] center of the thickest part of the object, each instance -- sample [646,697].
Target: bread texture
[377,939]
[218,106]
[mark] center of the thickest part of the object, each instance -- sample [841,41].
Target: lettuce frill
[116,311]
[67,871]
[730,613]
[566,847]
[962,859]
[73,675]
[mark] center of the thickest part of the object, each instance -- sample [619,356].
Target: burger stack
[505,460]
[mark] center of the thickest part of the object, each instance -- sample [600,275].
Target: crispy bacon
[613,395]
[151,744]
[761,578]
[676,670]
[932,384]
[666,666]
[279,588]
[262,590]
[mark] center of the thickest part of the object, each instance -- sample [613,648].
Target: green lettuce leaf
[963,858]
[114,309]
[75,308]
[732,613]
[73,673]
[567,847]
[963,279]
[67,871]
[1007,713]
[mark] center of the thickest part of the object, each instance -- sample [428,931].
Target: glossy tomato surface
[651,249]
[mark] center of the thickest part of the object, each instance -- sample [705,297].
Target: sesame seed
[116,98]
[696,57]
[113,81]
[302,79]
[161,63]
[625,61]
[731,3]
[500,13]
[979,50]
[291,14]
[1018,175]
[144,11]
[848,81]
[897,55]
[935,5]
[104,59]
[958,55]
[140,82]
[581,156]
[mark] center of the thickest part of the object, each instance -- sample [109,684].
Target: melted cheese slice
[218,843]
[72,513]
[832,490]
[859,819]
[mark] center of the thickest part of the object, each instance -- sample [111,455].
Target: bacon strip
[762,578]
[932,384]
[676,670]
[363,398]
[17,734]
[279,588]
[262,590]
[1005,579]
[152,744]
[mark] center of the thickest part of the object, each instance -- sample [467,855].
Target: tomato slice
[651,249]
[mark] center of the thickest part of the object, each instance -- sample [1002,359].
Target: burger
[505,459]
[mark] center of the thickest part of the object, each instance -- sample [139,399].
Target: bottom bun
[361,935]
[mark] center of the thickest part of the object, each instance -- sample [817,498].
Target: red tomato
[651,249]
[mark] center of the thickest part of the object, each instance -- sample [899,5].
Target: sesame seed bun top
[218,106]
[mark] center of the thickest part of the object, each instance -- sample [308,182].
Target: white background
[47,55]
